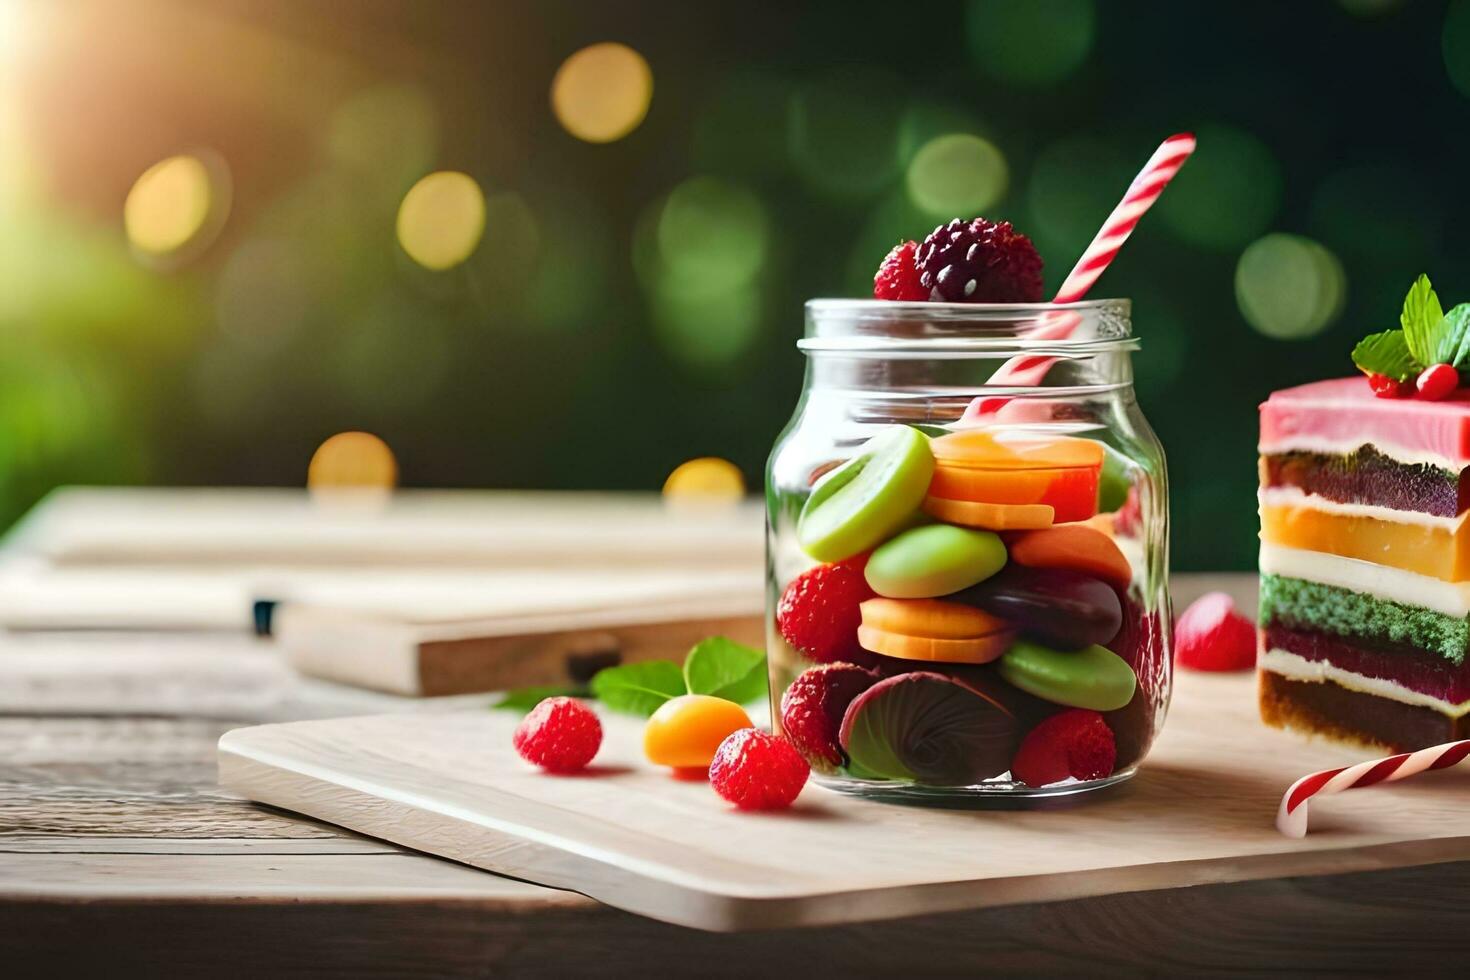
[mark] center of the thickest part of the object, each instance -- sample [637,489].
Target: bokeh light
[713,232]
[706,479]
[352,461]
[1037,42]
[177,207]
[442,219]
[699,254]
[602,92]
[505,264]
[956,174]
[844,131]
[1229,192]
[1289,287]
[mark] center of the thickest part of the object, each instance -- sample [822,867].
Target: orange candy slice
[981,650]
[1075,546]
[932,618]
[978,466]
[991,517]
[981,448]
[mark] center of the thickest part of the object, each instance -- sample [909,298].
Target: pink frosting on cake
[1343,413]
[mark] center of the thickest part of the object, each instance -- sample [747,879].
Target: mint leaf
[1420,319]
[1456,346]
[726,669]
[1386,353]
[525,698]
[639,689]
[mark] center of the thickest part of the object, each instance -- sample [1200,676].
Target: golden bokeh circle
[707,478]
[442,219]
[352,460]
[601,93]
[177,205]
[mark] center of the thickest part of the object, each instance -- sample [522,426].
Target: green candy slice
[1093,677]
[1114,482]
[867,498]
[934,560]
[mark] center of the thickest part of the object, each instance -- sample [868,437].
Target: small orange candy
[685,731]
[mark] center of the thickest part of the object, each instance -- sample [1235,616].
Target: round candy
[976,650]
[934,560]
[1061,608]
[1074,546]
[992,517]
[867,498]
[929,617]
[1094,677]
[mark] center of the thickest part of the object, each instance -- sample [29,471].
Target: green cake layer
[1298,604]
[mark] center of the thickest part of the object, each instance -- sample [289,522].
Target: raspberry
[559,735]
[1437,381]
[818,613]
[812,710]
[1075,743]
[758,771]
[1212,635]
[1385,387]
[898,276]
[979,262]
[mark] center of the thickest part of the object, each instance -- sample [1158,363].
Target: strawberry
[1075,743]
[898,276]
[818,613]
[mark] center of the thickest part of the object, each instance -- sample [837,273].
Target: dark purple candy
[1063,609]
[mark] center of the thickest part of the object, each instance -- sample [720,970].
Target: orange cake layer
[1436,551]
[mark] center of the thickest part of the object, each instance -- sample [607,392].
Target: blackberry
[979,262]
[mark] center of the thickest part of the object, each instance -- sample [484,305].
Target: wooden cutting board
[1200,811]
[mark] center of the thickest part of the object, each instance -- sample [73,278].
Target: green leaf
[1457,342]
[525,698]
[639,689]
[726,669]
[1386,353]
[1421,319]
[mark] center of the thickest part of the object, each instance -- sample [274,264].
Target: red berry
[559,735]
[898,277]
[1437,381]
[812,710]
[1075,743]
[979,262]
[1385,387]
[756,770]
[1212,635]
[818,613]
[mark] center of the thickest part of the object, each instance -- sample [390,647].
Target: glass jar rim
[926,328]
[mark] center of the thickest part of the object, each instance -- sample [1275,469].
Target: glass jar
[985,554]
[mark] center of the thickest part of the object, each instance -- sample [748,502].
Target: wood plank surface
[1200,810]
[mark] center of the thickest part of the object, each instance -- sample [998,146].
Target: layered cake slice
[1365,548]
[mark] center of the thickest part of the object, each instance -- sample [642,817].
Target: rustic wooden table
[118,853]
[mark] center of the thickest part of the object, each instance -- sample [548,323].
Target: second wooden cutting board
[1201,810]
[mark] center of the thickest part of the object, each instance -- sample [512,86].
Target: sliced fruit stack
[964,618]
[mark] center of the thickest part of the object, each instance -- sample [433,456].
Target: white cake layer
[1330,447]
[1296,497]
[1379,581]
[1297,668]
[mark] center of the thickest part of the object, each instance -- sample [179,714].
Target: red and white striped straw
[1141,195]
[1291,818]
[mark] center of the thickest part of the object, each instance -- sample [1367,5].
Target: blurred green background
[218,245]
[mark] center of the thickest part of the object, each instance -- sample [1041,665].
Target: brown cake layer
[1327,709]
[1422,671]
[1367,476]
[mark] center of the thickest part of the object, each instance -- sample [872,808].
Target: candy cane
[1291,818]
[1141,195]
